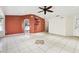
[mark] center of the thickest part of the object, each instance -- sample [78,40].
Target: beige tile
[53,44]
[69,48]
[54,49]
[25,50]
[77,47]
[36,49]
[14,50]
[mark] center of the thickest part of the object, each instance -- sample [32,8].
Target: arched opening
[26,26]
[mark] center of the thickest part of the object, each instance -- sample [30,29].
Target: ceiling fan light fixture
[45,9]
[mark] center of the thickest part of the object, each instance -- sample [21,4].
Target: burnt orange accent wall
[37,24]
[13,23]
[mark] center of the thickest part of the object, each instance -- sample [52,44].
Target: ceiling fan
[45,9]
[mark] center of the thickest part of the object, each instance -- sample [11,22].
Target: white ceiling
[58,10]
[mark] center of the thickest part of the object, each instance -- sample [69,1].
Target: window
[1,28]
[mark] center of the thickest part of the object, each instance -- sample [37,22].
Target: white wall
[64,26]
[57,26]
[69,25]
[2,24]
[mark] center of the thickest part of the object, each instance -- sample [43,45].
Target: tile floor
[21,43]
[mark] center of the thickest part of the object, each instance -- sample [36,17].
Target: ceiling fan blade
[49,10]
[49,7]
[40,7]
[40,11]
